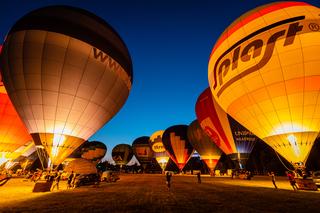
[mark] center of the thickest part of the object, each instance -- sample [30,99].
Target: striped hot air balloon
[231,137]
[176,142]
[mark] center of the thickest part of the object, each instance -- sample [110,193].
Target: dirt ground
[149,193]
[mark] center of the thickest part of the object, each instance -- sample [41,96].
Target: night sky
[169,42]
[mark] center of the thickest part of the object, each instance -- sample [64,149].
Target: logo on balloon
[113,65]
[158,147]
[230,59]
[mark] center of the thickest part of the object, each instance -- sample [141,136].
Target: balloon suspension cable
[283,162]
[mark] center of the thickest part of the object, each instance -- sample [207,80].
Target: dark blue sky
[169,42]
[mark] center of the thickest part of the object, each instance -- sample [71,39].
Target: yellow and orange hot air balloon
[158,149]
[65,80]
[264,72]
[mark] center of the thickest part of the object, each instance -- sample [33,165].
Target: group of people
[72,181]
[242,174]
[291,177]
[52,177]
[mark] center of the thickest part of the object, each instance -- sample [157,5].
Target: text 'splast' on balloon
[264,72]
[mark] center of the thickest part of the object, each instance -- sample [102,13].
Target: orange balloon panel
[13,133]
[264,72]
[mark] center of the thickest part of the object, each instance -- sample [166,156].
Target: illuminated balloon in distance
[67,75]
[81,166]
[231,137]
[176,142]
[122,154]
[264,72]
[207,149]
[94,151]
[158,149]
[142,150]
[13,133]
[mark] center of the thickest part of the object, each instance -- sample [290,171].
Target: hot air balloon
[142,150]
[232,138]
[158,149]
[65,80]
[264,72]
[122,154]
[202,143]
[13,133]
[94,151]
[177,145]
[81,166]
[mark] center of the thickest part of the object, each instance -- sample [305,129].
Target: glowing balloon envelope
[67,73]
[94,151]
[176,142]
[142,150]
[264,72]
[202,143]
[158,149]
[122,154]
[81,166]
[13,133]
[231,137]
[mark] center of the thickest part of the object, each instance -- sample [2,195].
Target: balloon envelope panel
[264,72]
[176,142]
[65,80]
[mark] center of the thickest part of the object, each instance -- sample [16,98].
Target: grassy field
[148,193]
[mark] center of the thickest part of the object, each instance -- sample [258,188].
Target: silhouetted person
[70,178]
[56,182]
[273,179]
[168,178]
[292,180]
[199,177]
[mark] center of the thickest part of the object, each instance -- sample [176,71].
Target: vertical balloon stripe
[205,108]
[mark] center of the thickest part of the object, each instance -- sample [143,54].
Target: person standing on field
[168,180]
